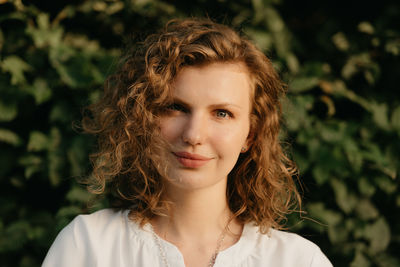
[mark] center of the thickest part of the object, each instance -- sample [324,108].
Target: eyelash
[178,107]
[225,111]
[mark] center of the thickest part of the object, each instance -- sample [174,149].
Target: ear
[248,143]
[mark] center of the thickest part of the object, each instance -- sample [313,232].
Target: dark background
[339,58]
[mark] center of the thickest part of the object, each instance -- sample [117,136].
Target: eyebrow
[219,105]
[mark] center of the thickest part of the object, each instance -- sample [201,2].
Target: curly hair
[260,189]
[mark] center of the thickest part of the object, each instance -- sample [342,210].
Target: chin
[192,182]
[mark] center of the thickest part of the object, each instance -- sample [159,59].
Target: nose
[195,130]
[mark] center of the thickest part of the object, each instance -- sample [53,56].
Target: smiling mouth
[191,160]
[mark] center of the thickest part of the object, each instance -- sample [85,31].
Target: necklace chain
[215,254]
[213,257]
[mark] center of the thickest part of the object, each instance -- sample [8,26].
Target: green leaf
[55,139]
[45,34]
[77,156]
[55,157]
[292,62]
[37,141]
[30,159]
[395,120]
[117,7]
[68,211]
[379,235]
[9,137]
[294,116]
[353,154]
[332,133]
[302,84]
[366,27]
[393,47]
[60,112]
[77,70]
[281,36]
[16,67]
[340,41]
[345,200]
[40,91]
[94,96]
[365,187]
[380,160]
[32,164]
[43,21]
[262,38]
[273,19]
[386,184]
[36,233]
[366,210]
[320,174]
[8,111]
[302,162]
[380,115]
[360,260]
[78,194]
[326,216]
[60,54]
[357,63]
[30,170]
[337,234]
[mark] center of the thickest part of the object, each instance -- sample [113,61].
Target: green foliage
[342,113]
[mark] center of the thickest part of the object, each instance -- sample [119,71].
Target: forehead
[216,81]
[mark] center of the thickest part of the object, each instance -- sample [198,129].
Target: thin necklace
[213,258]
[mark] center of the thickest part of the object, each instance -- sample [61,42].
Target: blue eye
[223,113]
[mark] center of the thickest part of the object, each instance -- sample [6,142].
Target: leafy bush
[342,113]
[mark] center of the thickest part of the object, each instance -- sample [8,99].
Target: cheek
[170,128]
[231,139]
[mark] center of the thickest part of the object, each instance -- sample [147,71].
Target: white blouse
[108,238]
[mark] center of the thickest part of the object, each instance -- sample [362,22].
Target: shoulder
[106,218]
[290,241]
[98,225]
[83,239]
[88,227]
[283,248]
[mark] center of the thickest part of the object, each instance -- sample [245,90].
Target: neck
[199,224]
[198,216]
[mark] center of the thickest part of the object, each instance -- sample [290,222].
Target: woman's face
[207,125]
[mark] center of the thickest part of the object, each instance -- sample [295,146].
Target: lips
[190,160]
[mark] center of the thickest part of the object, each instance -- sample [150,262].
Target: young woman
[188,147]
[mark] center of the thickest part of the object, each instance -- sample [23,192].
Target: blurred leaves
[378,234]
[9,137]
[8,111]
[44,34]
[40,91]
[37,141]
[16,67]
[342,114]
